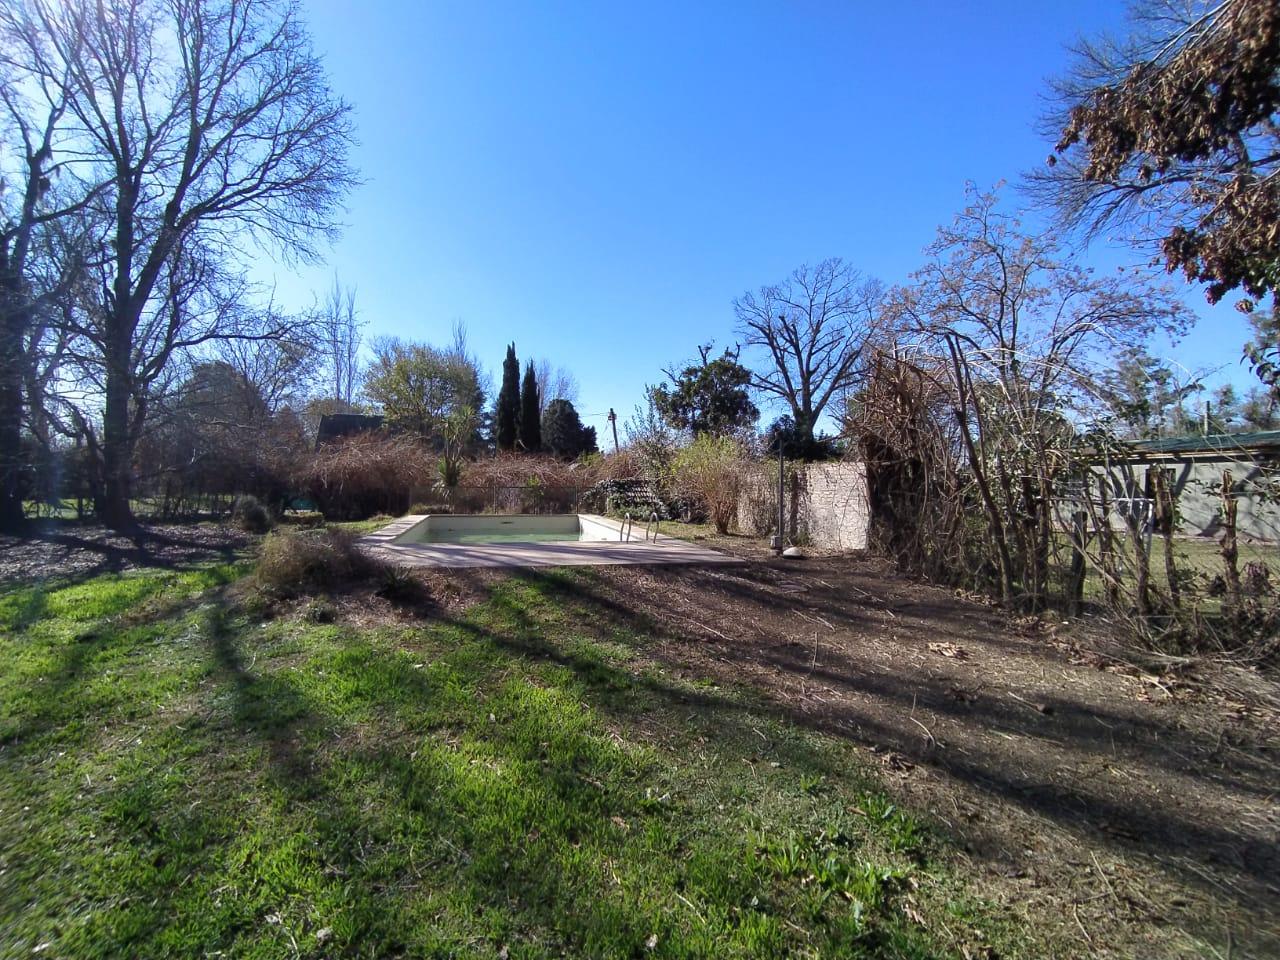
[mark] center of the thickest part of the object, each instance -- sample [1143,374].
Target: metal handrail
[655,521]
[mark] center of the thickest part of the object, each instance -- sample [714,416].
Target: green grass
[1198,561]
[361,527]
[177,779]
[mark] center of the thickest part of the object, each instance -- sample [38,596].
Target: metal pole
[613,422]
[782,515]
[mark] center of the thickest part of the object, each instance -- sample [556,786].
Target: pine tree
[507,412]
[530,412]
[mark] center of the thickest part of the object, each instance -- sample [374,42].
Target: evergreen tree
[563,432]
[710,397]
[530,417]
[507,412]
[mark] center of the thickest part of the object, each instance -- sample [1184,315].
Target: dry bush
[358,476]
[758,497]
[297,563]
[251,516]
[517,470]
[622,465]
[303,519]
[516,483]
[708,472]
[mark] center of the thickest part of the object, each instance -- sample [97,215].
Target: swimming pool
[571,539]
[518,528]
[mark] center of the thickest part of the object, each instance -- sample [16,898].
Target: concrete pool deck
[572,553]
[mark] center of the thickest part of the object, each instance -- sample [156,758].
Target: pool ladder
[624,533]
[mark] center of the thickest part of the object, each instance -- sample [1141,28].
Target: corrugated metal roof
[1211,443]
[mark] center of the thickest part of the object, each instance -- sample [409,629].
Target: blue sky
[598,181]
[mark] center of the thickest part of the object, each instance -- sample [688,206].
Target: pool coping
[665,549]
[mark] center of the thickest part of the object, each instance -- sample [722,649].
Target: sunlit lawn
[180,779]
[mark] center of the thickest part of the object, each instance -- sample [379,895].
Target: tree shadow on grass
[74,554]
[880,708]
[526,873]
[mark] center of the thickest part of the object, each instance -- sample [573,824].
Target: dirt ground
[1126,802]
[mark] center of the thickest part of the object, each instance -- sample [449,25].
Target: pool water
[561,528]
[446,536]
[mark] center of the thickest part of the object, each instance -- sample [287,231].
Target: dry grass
[296,563]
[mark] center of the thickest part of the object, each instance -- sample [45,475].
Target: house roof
[1212,443]
[336,425]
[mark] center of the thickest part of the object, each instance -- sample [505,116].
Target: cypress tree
[563,432]
[507,412]
[530,415]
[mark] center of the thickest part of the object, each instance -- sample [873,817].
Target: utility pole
[613,422]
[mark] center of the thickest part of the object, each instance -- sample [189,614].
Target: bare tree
[280,369]
[340,336]
[214,128]
[1016,339]
[554,383]
[37,260]
[813,327]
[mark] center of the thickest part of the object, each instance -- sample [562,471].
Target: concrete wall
[826,504]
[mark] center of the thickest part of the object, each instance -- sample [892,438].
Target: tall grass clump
[300,562]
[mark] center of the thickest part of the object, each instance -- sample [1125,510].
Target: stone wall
[833,498]
[826,504]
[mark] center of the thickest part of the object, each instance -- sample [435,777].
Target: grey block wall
[1195,488]
[826,504]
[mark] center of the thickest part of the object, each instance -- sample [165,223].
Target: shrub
[302,518]
[400,585]
[249,514]
[708,472]
[297,563]
[369,473]
[758,501]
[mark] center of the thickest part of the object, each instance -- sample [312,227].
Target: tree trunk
[1106,559]
[11,515]
[113,507]
[12,320]
[1166,518]
[1075,583]
[1142,564]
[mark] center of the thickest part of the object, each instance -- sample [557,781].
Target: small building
[335,426]
[1196,465]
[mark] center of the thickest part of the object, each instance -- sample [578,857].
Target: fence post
[1075,588]
[1165,519]
[1230,549]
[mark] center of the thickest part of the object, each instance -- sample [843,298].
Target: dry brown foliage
[1188,127]
[361,475]
[296,563]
